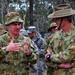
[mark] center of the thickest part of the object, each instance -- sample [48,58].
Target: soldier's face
[14,28]
[54,29]
[32,35]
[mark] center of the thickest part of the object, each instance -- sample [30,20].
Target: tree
[31,11]
[4,10]
[41,9]
[60,1]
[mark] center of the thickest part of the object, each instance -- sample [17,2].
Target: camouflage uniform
[62,48]
[40,42]
[2,31]
[15,63]
[34,67]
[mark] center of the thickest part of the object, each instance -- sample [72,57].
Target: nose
[18,26]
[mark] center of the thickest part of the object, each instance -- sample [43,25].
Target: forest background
[41,9]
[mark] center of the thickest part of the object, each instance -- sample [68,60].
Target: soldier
[39,41]
[2,31]
[16,51]
[53,27]
[23,32]
[59,53]
[33,68]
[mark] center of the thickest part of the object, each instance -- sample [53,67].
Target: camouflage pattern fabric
[62,48]
[33,67]
[16,63]
[40,42]
[13,17]
[2,31]
[52,25]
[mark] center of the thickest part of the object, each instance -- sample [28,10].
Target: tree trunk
[4,11]
[31,12]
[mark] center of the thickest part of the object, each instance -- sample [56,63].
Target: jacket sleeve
[34,56]
[2,49]
[60,49]
[65,53]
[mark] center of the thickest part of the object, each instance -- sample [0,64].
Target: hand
[67,65]
[26,48]
[48,53]
[13,47]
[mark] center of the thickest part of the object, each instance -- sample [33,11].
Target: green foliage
[41,9]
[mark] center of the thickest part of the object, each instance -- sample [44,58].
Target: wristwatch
[48,57]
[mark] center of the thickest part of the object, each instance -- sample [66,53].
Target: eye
[15,24]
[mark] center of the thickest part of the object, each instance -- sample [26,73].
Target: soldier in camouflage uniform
[33,67]
[40,42]
[2,31]
[53,27]
[23,32]
[16,51]
[60,49]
